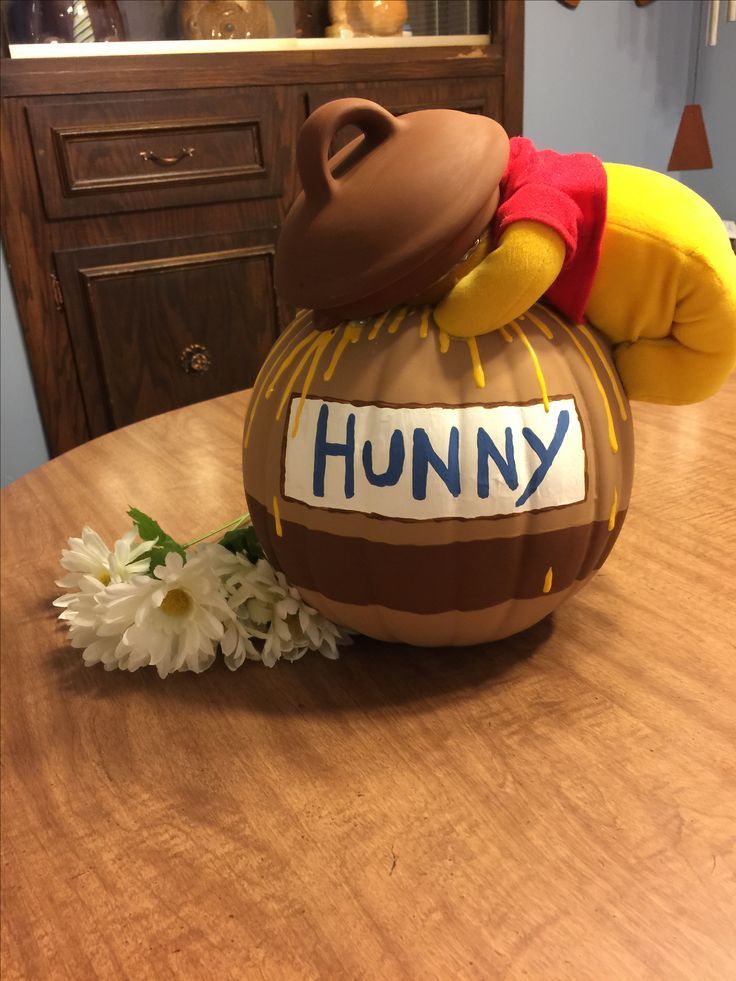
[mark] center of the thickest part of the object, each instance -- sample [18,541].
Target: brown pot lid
[392,212]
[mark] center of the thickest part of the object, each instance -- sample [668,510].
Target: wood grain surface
[559,805]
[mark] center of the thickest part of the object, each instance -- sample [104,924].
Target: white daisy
[317,632]
[308,629]
[123,618]
[90,556]
[266,610]
[175,621]
[269,611]
[233,571]
[83,614]
[260,598]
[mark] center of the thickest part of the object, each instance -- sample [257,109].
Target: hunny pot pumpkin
[418,486]
[432,490]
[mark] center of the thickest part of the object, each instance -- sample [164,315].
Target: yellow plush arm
[506,283]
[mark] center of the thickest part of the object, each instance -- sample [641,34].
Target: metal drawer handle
[195,359]
[186,151]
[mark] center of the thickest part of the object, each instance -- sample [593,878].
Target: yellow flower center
[104,578]
[176,603]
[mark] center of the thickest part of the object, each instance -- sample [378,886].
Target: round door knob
[195,359]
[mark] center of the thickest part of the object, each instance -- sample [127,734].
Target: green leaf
[151,531]
[243,540]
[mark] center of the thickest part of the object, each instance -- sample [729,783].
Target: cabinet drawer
[158,325]
[100,157]
[483,95]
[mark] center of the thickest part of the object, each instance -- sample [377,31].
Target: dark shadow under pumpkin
[369,674]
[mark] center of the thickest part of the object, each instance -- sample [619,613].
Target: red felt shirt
[566,192]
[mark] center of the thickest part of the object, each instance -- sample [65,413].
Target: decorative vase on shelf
[65,21]
[207,20]
[367,18]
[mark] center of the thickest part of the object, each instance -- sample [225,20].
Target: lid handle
[316,135]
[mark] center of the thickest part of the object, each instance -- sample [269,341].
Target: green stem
[231,524]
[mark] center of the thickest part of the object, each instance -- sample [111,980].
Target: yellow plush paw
[665,290]
[667,372]
[505,284]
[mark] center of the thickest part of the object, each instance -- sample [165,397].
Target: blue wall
[608,77]
[22,443]
[715,90]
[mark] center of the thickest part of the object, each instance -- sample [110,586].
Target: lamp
[691,150]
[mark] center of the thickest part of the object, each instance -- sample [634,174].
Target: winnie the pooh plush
[637,254]
[441,207]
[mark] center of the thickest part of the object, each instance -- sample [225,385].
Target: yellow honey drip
[599,384]
[478,373]
[396,322]
[289,387]
[276,352]
[277,519]
[273,356]
[318,352]
[424,326]
[535,360]
[288,359]
[614,508]
[377,326]
[505,334]
[612,377]
[350,334]
[540,324]
[547,581]
[444,342]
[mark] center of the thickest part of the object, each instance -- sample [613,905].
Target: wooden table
[559,805]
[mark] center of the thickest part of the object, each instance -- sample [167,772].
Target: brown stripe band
[433,578]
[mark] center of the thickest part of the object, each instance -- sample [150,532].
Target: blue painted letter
[507,466]
[546,454]
[424,455]
[396,455]
[323,449]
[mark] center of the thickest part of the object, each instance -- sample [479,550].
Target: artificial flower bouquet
[153,601]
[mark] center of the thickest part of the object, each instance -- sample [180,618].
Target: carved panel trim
[174,262]
[182,131]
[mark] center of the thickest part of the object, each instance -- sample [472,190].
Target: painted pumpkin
[438,491]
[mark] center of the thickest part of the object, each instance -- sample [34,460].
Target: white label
[435,461]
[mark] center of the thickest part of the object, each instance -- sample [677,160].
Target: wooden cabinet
[142,197]
[161,324]
[471,95]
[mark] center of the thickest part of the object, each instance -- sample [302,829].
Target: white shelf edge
[116,48]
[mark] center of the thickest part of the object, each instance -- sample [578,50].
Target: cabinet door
[158,325]
[482,95]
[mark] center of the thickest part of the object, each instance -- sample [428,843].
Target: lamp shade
[691,150]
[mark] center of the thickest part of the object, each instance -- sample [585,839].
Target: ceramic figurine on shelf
[439,449]
[64,21]
[225,19]
[367,18]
